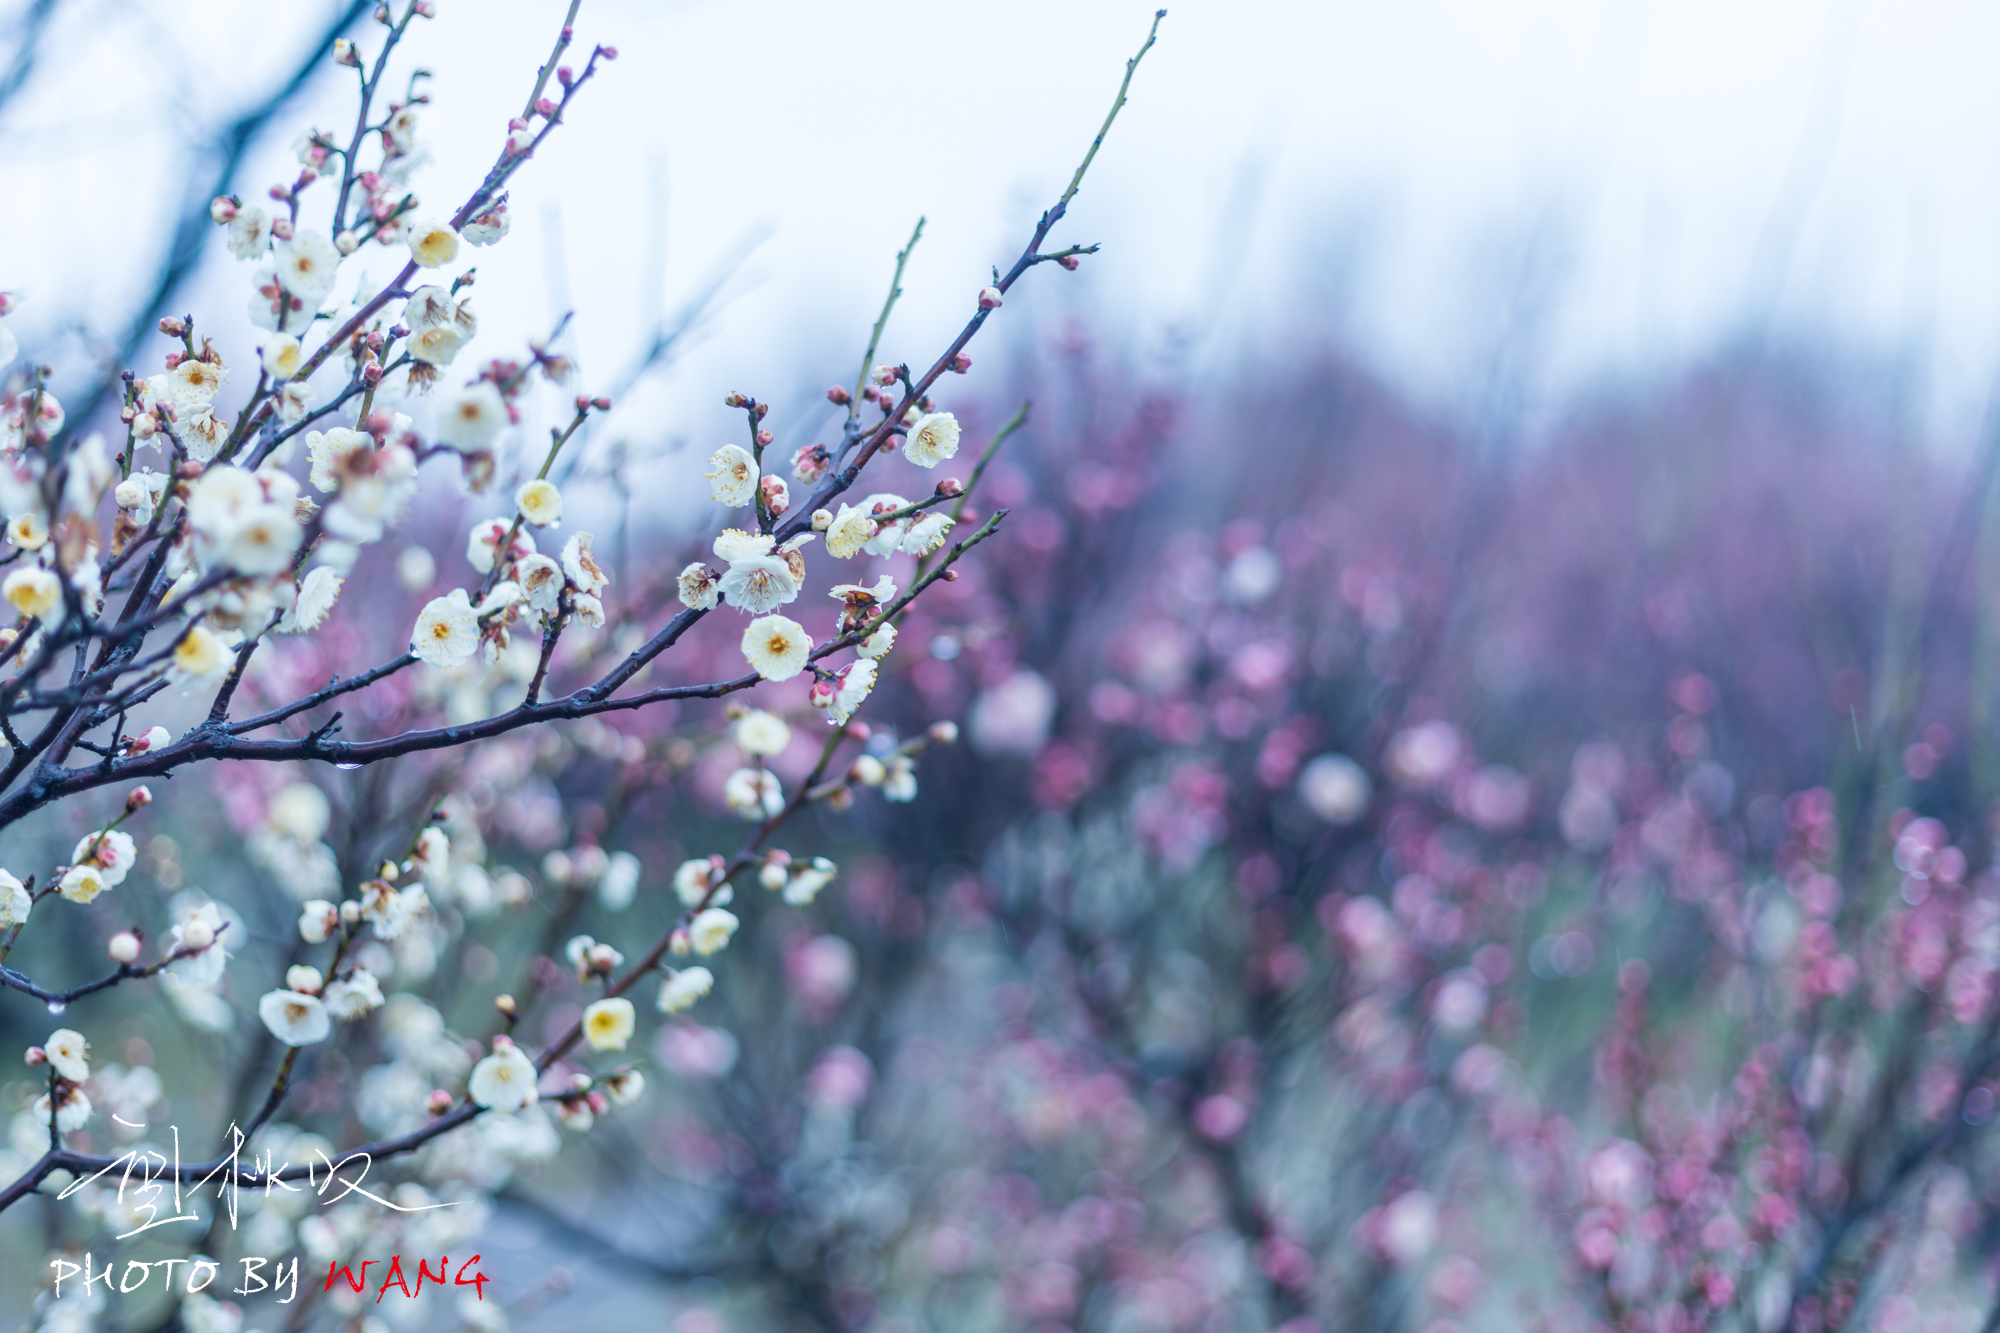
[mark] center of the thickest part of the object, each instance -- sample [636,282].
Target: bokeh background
[1475,801]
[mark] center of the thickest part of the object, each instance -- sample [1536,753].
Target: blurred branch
[33,27]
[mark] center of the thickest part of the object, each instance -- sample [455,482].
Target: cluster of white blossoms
[304,1010]
[522,586]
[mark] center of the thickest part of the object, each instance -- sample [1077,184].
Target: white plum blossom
[699,588]
[932,440]
[317,593]
[777,648]
[878,644]
[900,784]
[69,1053]
[470,419]
[249,232]
[111,851]
[695,878]
[855,680]
[759,584]
[503,1081]
[581,568]
[482,547]
[294,1018]
[806,881]
[308,265]
[318,920]
[753,793]
[732,475]
[710,931]
[15,901]
[541,581]
[540,502]
[198,656]
[488,227]
[34,592]
[432,244]
[607,1024]
[81,883]
[327,450]
[28,530]
[282,356]
[353,996]
[72,1115]
[761,733]
[927,533]
[680,991]
[447,633]
[850,530]
[735,544]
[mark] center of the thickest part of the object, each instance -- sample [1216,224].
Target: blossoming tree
[201,550]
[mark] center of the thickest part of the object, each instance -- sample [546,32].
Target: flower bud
[173,328]
[868,771]
[989,298]
[608,52]
[1069,262]
[350,913]
[344,53]
[196,935]
[951,486]
[840,798]
[734,400]
[944,733]
[764,438]
[154,739]
[503,1042]
[282,229]
[305,980]
[838,396]
[124,947]
[545,107]
[347,242]
[7,300]
[440,1101]
[36,1056]
[222,209]
[949,576]
[565,75]
[505,1004]
[777,499]
[961,363]
[138,799]
[822,519]
[601,403]
[857,730]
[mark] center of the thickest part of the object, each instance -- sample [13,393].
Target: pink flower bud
[427,9]
[173,328]
[764,438]
[124,947]
[174,359]
[989,298]
[139,799]
[503,1042]
[601,404]
[961,363]
[951,486]
[777,499]
[859,730]
[1069,262]
[949,576]
[545,106]
[734,400]
[282,229]
[36,1056]
[838,396]
[440,1101]
[222,209]
[608,52]
[599,1103]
